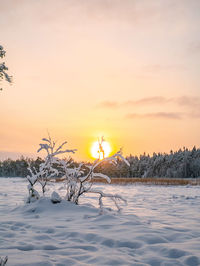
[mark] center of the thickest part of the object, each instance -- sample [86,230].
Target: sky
[127,70]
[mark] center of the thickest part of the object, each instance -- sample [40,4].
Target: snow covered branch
[79,183]
[3,261]
[47,169]
[117,199]
[77,180]
[4,68]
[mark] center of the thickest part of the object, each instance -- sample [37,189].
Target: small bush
[77,180]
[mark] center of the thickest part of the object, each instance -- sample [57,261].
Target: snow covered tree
[47,169]
[180,164]
[3,261]
[32,179]
[4,68]
[77,179]
[184,163]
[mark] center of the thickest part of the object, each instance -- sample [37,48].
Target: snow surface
[159,226]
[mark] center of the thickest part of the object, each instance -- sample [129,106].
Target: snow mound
[55,198]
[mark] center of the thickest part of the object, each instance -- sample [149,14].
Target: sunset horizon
[99,132]
[125,70]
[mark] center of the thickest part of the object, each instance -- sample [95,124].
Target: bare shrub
[77,180]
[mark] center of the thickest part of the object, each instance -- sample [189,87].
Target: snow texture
[160,226]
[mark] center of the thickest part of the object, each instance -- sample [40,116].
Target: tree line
[184,163]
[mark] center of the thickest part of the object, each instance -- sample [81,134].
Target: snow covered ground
[159,226]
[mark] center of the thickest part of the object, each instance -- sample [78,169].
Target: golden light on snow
[100,150]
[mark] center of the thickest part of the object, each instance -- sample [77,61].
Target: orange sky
[127,70]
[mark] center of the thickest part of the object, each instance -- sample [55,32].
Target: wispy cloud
[142,101]
[186,101]
[108,104]
[147,101]
[194,114]
[190,105]
[158,115]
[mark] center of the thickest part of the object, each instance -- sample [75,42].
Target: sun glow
[101,149]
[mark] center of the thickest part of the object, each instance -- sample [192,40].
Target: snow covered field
[159,226]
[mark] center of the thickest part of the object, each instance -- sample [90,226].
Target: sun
[100,150]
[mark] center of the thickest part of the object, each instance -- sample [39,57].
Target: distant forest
[183,163]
